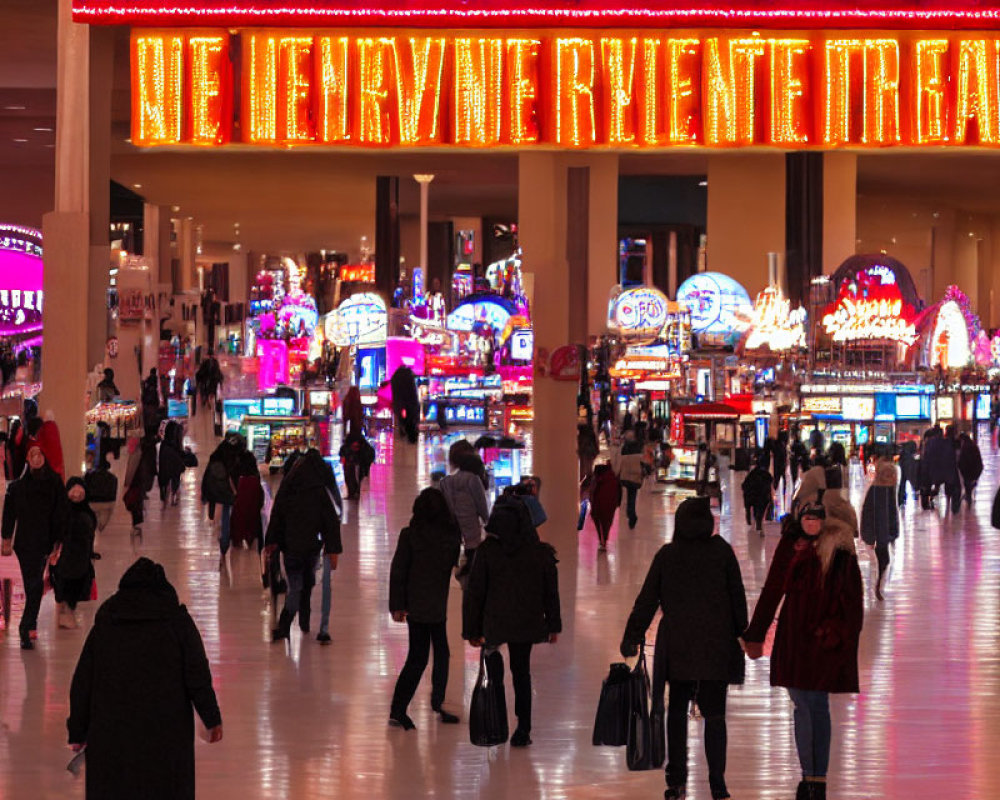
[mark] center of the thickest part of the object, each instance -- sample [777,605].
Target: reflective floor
[304,721]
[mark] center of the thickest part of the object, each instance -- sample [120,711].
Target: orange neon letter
[157,88]
[373,93]
[296,79]
[976,90]
[730,76]
[574,92]
[334,95]
[260,88]
[650,102]
[478,91]
[618,79]
[682,78]
[929,105]
[522,71]
[789,76]
[418,88]
[881,87]
[207,56]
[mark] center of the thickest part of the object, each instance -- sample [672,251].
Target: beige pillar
[425,186]
[75,317]
[542,226]
[840,197]
[602,267]
[156,243]
[746,215]
[186,257]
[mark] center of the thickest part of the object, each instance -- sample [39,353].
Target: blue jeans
[324,614]
[812,731]
[227,512]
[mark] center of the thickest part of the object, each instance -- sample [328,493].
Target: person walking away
[405,402]
[836,456]
[970,465]
[836,503]
[303,522]
[353,413]
[466,497]
[629,471]
[512,598]
[106,389]
[697,583]
[18,439]
[605,497]
[799,459]
[880,516]
[140,474]
[34,522]
[218,488]
[73,572]
[171,463]
[357,456]
[815,572]
[706,460]
[326,589]
[587,448]
[47,436]
[908,471]
[419,578]
[758,494]
[245,524]
[941,469]
[779,457]
[142,669]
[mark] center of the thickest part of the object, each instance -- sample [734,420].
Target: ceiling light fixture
[15,108]
[20,141]
[42,130]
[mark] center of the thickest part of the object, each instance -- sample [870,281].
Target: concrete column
[840,198]
[76,230]
[746,215]
[542,226]
[425,186]
[156,242]
[187,277]
[602,234]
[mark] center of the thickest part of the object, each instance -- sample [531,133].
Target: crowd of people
[507,574]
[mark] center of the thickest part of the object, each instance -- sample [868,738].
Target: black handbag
[645,747]
[611,722]
[488,708]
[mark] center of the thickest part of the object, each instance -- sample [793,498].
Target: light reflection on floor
[304,721]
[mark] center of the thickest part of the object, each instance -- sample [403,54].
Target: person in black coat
[696,581]
[779,457]
[908,470]
[142,669]
[970,465]
[421,570]
[357,456]
[512,598]
[34,517]
[73,574]
[171,463]
[757,495]
[405,401]
[303,522]
[799,458]
[939,467]
[880,516]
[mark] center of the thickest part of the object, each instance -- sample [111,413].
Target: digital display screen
[910,406]
[522,344]
[277,406]
[983,403]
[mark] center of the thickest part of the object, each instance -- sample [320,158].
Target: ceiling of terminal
[312,198]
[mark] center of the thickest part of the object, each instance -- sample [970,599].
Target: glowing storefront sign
[364,273]
[821,405]
[858,408]
[361,319]
[20,280]
[950,346]
[642,311]
[775,325]
[479,313]
[718,304]
[869,307]
[522,344]
[560,87]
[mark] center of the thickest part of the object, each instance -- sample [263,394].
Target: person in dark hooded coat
[34,516]
[908,470]
[758,494]
[406,401]
[142,669]
[73,574]
[419,578]
[970,465]
[303,522]
[246,524]
[512,598]
[696,581]
[605,497]
[880,516]
[171,463]
[939,467]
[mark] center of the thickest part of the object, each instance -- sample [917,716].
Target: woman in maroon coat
[815,570]
[605,497]
[245,525]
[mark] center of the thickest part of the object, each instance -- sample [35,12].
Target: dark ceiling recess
[662,200]
[127,209]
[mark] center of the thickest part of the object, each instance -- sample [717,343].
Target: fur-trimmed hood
[885,473]
[836,534]
[839,508]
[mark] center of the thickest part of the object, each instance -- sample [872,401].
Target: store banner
[564,88]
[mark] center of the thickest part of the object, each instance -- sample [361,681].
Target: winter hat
[815,510]
[75,481]
[693,519]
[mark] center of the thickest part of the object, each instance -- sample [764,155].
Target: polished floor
[304,721]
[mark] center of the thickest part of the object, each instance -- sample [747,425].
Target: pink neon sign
[21,292]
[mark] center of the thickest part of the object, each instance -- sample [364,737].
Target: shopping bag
[644,746]
[611,722]
[488,708]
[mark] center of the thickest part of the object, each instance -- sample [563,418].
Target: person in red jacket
[605,497]
[815,570]
[49,440]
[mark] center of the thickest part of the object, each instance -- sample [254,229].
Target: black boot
[304,612]
[819,790]
[284,627]
[805,791]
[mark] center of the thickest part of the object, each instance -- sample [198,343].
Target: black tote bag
[611,722]
[645,747]
[488,708]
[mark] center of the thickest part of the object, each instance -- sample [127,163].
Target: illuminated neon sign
[775,325]
[718,304]
[361,319]
[21,271]
[640,311]
[563,88]
[870,307]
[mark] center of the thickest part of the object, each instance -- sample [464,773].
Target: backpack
[101,486]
